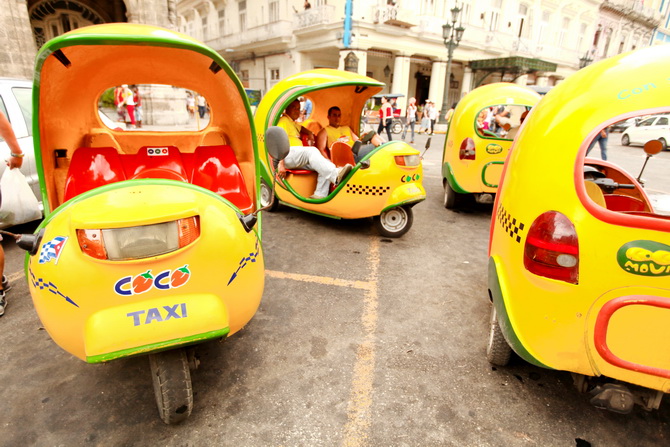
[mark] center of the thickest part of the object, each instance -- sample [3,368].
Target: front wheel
[172,385]
[267,197]
[396,127]
[498,351]
[394,222]
[625,140]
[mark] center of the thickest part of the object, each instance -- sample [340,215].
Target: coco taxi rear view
[579,266]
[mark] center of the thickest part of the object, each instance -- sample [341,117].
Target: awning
[513,64]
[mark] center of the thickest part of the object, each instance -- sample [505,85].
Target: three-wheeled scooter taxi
[150,241]
[385,184]
[478,139]
[579,266]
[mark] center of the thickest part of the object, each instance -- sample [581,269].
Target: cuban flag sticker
[51,250]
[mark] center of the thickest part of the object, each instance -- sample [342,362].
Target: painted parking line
[360,395]
[16,275]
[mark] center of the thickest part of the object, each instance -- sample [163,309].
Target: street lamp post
[585,60]
[452,35]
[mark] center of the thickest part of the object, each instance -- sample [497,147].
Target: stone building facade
[396,41]
[27,24]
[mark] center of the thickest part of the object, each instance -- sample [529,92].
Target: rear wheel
[664,144]
[498,351]
[267,198]
[394,222]
[453,199]
[172,385]
[396,127]
[625,140]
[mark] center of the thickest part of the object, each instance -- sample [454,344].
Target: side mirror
[428,142]
[653,147]
[276,142]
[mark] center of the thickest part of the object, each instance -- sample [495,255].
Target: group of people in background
[128,104]
[196,103]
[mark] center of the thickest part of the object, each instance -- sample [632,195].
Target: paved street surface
[359,341]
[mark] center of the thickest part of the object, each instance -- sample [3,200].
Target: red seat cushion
[300,171]
[92,167]
[216,168]
[159,162]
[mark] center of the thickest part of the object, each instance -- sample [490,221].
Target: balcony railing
[317,15]
[635,10]
[392,15]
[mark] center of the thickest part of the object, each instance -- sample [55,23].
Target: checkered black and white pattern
[367,190]
[511,226]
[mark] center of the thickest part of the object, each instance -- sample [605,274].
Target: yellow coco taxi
[150,241]
[478,139]
[579,266]
[384,184]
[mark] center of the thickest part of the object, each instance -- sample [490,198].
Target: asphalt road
[359,341]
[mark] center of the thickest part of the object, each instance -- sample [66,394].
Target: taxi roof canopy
[326,88]
[74,69]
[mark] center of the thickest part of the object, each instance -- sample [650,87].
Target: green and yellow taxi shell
[483,173]
[99,310]
[73,70]
[209,288]
[368,191]
[615,321]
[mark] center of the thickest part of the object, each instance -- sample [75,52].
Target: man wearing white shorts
[308,157]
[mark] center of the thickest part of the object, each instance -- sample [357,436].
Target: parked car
[16,103]
[655,127]
[624,124]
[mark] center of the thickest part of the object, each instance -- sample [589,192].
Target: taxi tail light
[408,160]
[467,150]
[552,248]
[118,244]
[91,243]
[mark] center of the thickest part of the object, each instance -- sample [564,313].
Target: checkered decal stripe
[367,190]
[510,224]
[41,284]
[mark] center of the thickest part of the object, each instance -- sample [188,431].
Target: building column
[542,80]
[522,80]
[436,89]
[400,83]
[152,12]
[467,82]
[361,64]
[18,44]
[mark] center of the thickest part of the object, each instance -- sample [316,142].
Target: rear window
[500,121]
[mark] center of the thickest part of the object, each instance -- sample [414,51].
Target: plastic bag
[19,204]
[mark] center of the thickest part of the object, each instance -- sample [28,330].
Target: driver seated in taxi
[335,131]
[308,157]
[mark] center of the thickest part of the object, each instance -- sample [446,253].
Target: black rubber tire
[625,140]
[172,385]
[452,199]
[394,222]
[266,195]
[498,352]
[396,127]
[664,144]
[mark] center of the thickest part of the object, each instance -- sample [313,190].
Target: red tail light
[467,151]
[552,248]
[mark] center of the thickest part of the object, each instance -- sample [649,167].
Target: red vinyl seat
[216,168]
[92,167]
